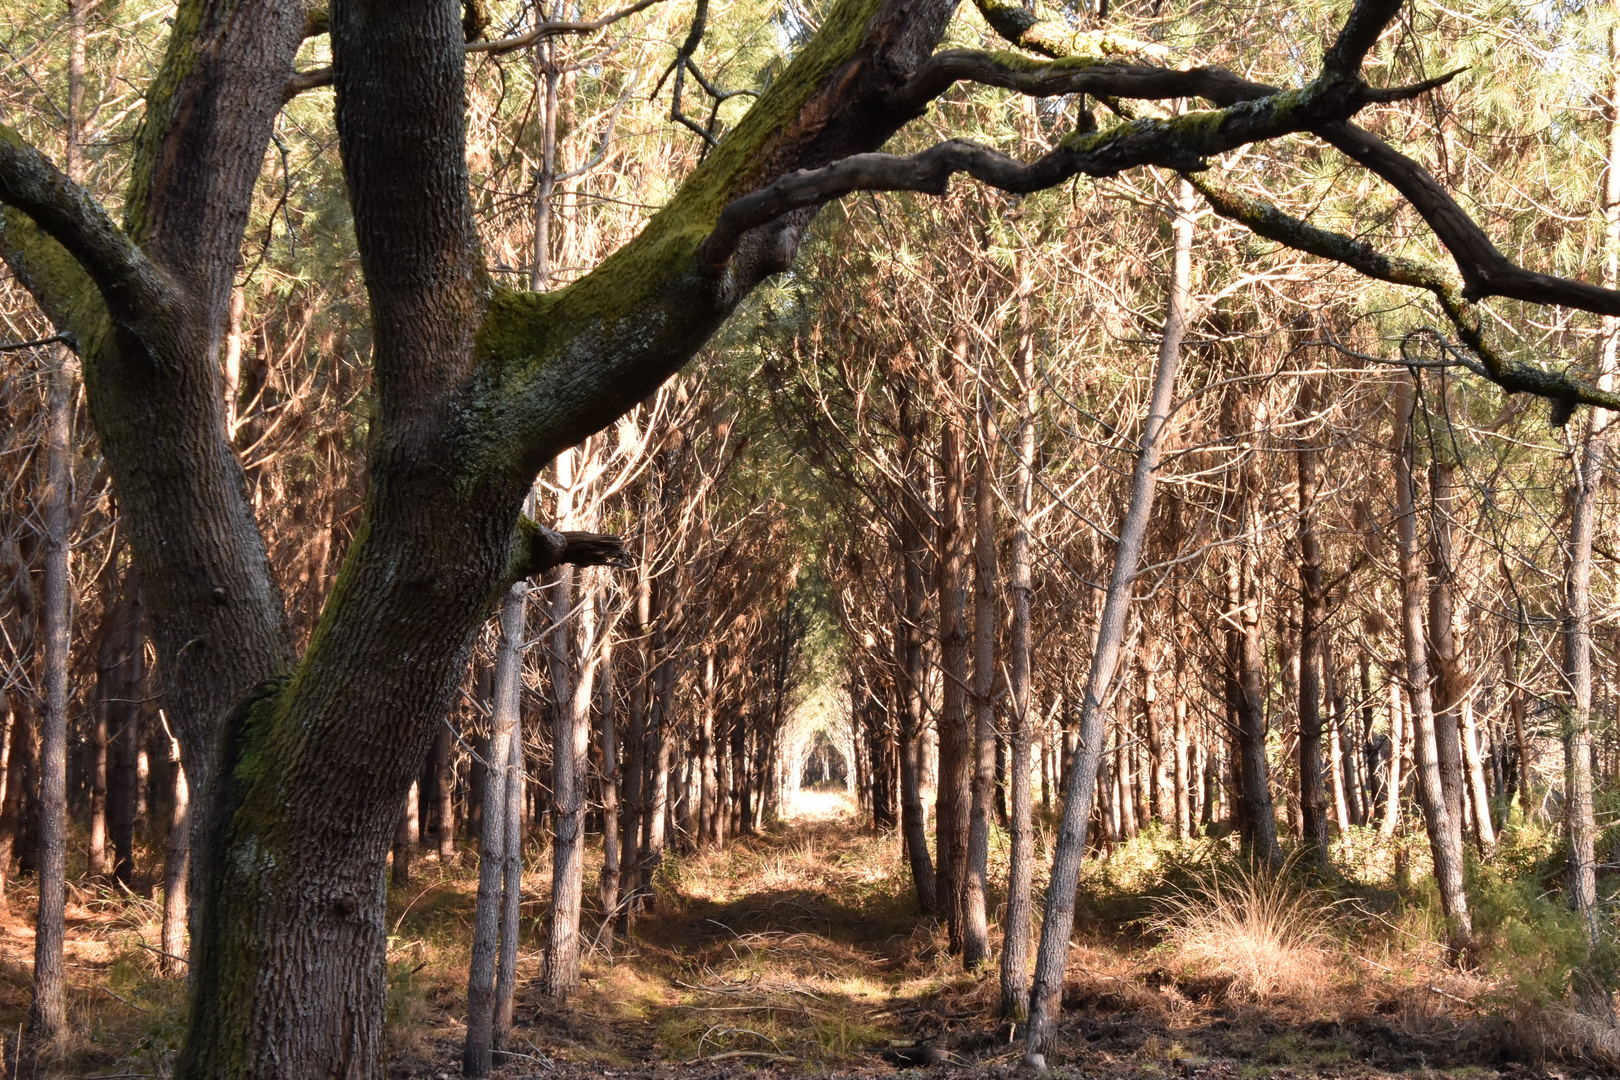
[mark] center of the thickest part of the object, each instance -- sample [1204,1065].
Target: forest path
[798,952]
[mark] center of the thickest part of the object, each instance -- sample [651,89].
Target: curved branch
[1049,37]
[1181,142]
[1514,376]
[1070,75]
[134,288]
[1485,270]
[1103,79]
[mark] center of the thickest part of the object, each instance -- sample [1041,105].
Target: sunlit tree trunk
[477,1055]
[406,833]
[1445,835]
[1595,983]
[1053,956]
[570,745]
[176,867]
[1450,682]
[444,782]
[1021,856]
[709,772]
[607,888]
[976,936]
[1392,772]
[511,869]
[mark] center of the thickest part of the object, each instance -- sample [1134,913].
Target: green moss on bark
[521,330]
[161,107]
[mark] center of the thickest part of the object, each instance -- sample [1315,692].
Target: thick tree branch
[1102,79]
[537,548]
[1049,37]
[1514,376]
[134,288]
[1485,270]
[1180,142]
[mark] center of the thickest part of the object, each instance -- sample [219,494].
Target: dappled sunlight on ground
[800,952]
[820,804]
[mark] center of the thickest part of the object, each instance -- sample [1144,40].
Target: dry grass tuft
[1253,927]
[1561,1033]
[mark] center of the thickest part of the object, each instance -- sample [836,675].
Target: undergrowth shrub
[1258,928]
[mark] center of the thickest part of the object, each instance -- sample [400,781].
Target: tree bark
[1313,610]
[1392,774]
[444,785]
[1053,955]
[976,931]
[1450,682]
[1445,835]
[908,648]
[476,1058]
[1594,984]
[97,863]
[708,766]
[176,867]
[406,832]
[1246,651]
[511,856]
[48,1015]
[607,887]
[570,744]
[953,799]
[1021,854]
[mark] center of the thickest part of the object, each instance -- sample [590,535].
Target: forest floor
[799,953]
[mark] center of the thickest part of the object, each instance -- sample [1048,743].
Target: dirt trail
[798,953]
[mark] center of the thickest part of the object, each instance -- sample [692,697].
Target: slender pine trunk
[48,1014]
[477,1057]
[1313,609]
[1445,835]
[953,798]
[176,867]
[976,931]
[1053,955]
[909,646]
[1021,855]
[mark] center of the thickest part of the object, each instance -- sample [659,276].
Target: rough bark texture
[1021,853]
[976,930]
[952,802]
[476,1058]
[1445,834]
[47,1016]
